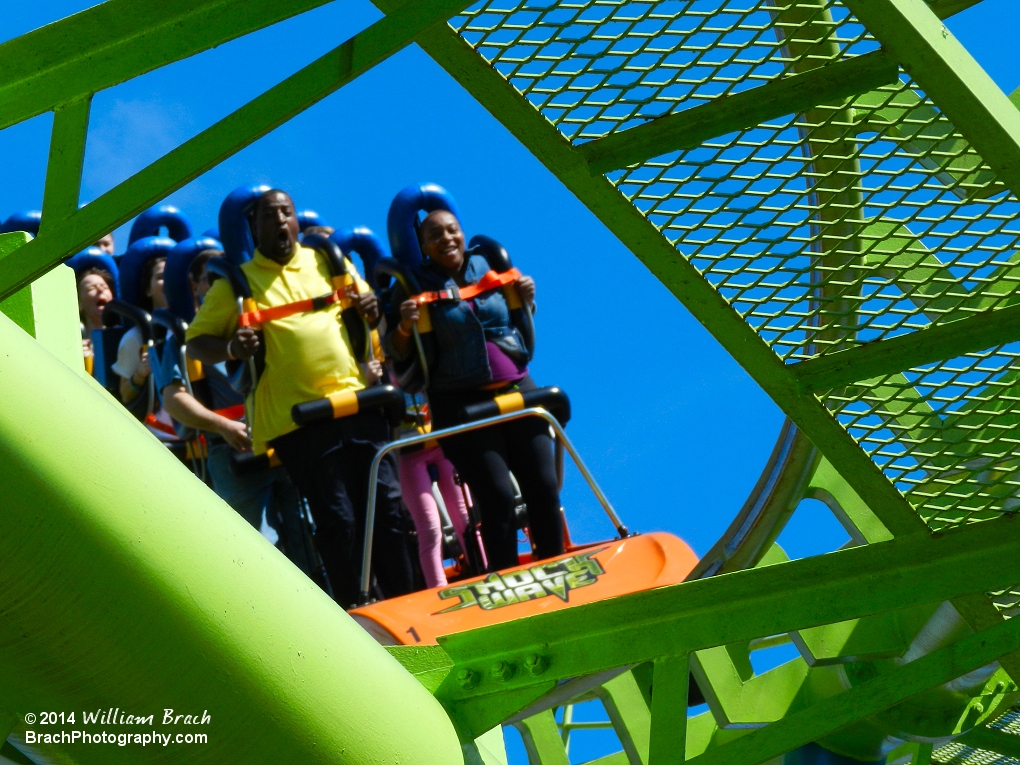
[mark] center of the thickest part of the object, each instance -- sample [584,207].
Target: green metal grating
[858,220]
[946,434]
[596,67]
[908,228]
[961,754]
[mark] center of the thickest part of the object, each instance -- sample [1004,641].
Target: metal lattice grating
[852,222]
[960,754]
[597,66]
[840,226]
[945,434]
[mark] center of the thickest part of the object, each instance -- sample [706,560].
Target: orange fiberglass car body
[582,575]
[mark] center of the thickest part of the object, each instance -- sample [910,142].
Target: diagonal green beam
[946,8]
[790,95]
[678,275]
[738,607]
[991,740]
[66,159]
[911,32]
[897,354]
[222,140]
[868,698]
[117,40]
[542,740]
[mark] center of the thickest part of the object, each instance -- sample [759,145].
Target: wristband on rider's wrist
[402,331]
[230,355]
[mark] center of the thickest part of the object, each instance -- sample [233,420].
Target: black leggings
[484,459]
[329,463]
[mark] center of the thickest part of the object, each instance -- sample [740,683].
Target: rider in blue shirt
[268,491]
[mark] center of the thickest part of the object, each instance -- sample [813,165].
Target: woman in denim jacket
[477,354]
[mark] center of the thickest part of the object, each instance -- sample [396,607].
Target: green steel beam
[828,486]
[946,8]
[67,157]
[46,309]
[873,696]
[678,275]
[911,32]
[790,95]
[897,354]
[980,613]
[737,607]
[542,741]
[628,710]
[668,741]
[228,136]
[126,582]
[114,41]
[738,697]
[991,740]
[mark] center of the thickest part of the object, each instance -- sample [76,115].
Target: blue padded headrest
[132,264]
[23,221]
[363,241]
[308,218]
[401,222]
[155,218]
[213,233]
[93,257]
[235,233]
[175,276]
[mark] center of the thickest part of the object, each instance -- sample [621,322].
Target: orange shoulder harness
[490,281]
[343,295]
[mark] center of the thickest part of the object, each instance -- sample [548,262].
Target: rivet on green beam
[732,608]
[790,95]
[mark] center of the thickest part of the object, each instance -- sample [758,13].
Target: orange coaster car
[584,574]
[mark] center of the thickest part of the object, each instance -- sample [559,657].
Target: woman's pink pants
[416,486]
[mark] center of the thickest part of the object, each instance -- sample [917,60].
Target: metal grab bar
[373,477]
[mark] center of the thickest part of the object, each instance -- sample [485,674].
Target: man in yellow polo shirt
[308,356]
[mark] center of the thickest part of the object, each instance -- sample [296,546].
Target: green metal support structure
[830,187]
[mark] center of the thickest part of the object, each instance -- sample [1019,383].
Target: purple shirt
[504,369]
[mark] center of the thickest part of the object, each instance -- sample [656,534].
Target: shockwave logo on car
[556,577]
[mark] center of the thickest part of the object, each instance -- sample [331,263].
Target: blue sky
[673,429]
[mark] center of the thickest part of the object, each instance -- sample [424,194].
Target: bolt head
[467,679]
[536,663]
[502,671]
